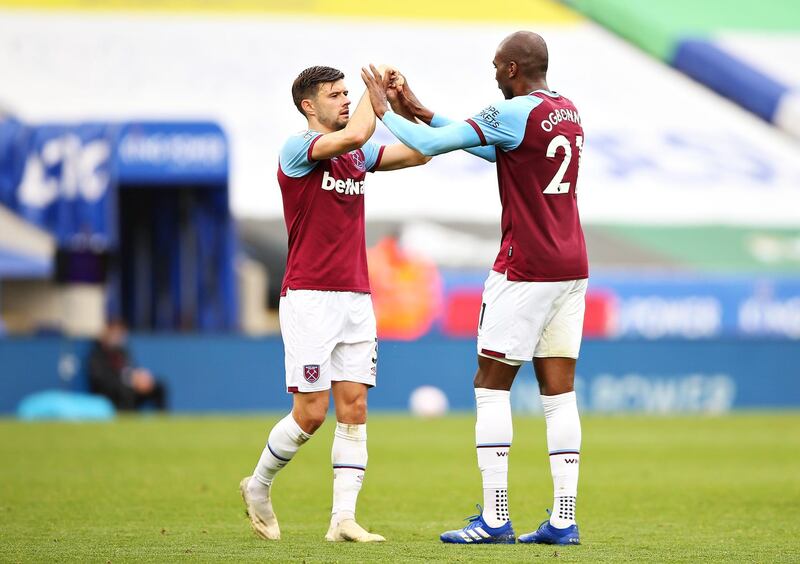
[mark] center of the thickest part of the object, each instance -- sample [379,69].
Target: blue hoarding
[231,373]
[172,153]
[60,178]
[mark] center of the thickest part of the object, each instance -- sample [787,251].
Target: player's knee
[310,414]
[312,419]
[497,378]
[481,374]
[483,377]
[359,409]
[316,420]
[555,389]
[354,410]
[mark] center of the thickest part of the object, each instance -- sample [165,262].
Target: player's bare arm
[399,156]
[359,128]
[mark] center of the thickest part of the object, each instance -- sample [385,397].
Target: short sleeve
[503,124]
[295,158]
[372,155]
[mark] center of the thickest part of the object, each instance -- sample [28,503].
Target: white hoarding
[659,148]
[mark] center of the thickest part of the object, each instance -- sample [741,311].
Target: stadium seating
[735,50]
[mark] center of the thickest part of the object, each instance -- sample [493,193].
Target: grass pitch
[166,490]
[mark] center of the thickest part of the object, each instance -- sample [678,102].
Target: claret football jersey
[538,140]
[323,206]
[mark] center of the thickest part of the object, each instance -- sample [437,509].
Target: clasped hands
[386,86]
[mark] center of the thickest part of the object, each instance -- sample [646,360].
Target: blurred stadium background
[138,147]
[138,152]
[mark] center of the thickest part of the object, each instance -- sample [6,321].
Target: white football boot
[349,530]
[262,517]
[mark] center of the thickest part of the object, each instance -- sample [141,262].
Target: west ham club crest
[358,161]
[311,373]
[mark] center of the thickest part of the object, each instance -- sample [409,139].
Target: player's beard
[336,122]
[341,121]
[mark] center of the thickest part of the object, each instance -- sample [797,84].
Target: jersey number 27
[557,184]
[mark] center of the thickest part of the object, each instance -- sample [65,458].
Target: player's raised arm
[426,140]
[328,111]
[399,156]
[419,137]
[421,112]
[405,102]
[358,130]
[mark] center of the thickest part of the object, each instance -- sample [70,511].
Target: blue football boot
[478,532]
[548,534]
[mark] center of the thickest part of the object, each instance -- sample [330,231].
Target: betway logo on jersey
[349,186]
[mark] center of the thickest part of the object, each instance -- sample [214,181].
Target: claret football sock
[564,445]
[349,458]
[493,434]
[284,441]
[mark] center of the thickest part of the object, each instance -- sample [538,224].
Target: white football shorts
[328,337]
[522,320]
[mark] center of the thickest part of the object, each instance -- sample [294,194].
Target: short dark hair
[307,83]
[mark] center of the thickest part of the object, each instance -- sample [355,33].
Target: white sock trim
[351,431]
[551,403]
[296,430]
[284,440]
[487,395]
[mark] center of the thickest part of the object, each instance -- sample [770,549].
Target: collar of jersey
[550,93]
